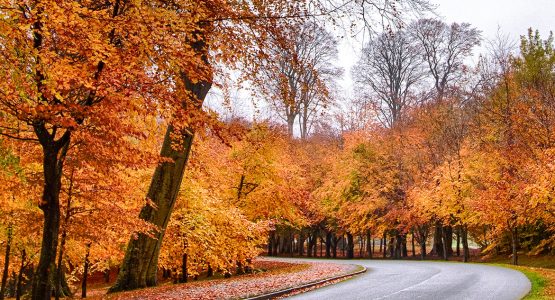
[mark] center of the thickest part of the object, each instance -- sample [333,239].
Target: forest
[112,162]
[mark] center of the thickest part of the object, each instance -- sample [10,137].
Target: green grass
[546,262]
[539,282]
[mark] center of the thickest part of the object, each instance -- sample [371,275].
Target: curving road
[425,280]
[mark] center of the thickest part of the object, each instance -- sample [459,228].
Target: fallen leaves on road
[280,275]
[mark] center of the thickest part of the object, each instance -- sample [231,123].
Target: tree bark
[413,248]
[184,272]
[466,251]
[54,153]
[328,244]
[350,246]
[334,246]
[384,245]
[369,244]
[85,272]
[437,248]
[6,263]
[301,244]
[458,241]
[404,248]
[140,265]
[19,285]
[514,244]
[60,276]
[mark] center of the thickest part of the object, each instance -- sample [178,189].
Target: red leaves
[281,275]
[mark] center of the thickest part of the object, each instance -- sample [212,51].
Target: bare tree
[445,48]
[297,76]
[387,73]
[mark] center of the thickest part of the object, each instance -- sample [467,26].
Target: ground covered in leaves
[278,276]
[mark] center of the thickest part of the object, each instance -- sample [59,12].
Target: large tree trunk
[6,263]
[464,237]
[398,246]
[328,244]
[437,248]
[404,249]
[448,241]
[54,153]
[350,246]
[140,264]
[334,246]
[301,244]
[369,244]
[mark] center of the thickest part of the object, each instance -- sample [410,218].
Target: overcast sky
[511,17]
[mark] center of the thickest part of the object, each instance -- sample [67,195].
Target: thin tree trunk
[444,244]
[369,243]
[6,263]
[335,244]
[19,285]
[514,239]
[458,241]
[328,244]
[301,244]
[404,249]
[85,272]
[184,271]
[413,245]
[384,245]
[271,243]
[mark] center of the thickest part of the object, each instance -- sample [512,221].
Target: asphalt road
[388,279]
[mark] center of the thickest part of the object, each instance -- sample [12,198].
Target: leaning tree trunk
[140,265]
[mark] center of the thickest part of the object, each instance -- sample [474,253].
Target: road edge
[286,291]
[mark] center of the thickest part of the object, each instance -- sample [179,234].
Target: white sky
[512,17]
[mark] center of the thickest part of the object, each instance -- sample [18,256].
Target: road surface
[389,279]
